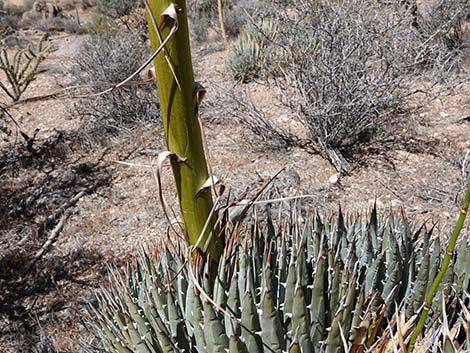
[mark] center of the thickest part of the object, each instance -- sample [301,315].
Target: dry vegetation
[360,111]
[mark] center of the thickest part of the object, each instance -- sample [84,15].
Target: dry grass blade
[167,210]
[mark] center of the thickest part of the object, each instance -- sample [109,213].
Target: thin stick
[221,21]
[45,247]
[445,264]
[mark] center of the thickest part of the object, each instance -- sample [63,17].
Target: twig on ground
[45,247]
[64,207]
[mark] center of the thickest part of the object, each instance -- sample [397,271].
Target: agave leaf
[236,345]
[377,317]
[367,250]
[282,273]
[373,228]
[243,258]
[162,342]
[410,288]
[137,342]
[434,261]
[387,233]
[233,307]
[462,261]
[188,310]
[220,284]
[177,324]
[289,294]
[340,229]
[333,340]
[135,315]
[422,279]
[347,308]
[250,324]
[300,321]
[317,305]
[392,275]
[356,317]
[317,236]
[443,290]
[214,333]
[309,244]
[334,290]
[272,331]
[301,265]
[198,320]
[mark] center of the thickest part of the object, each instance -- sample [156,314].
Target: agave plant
[327,286]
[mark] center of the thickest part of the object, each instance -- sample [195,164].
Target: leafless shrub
[440,25]
[17,10]
[54,24]
[235,103]
[8,23]
[17,40]
[348,69]
[340,67]
[203,16]
[110,58]
[116,8]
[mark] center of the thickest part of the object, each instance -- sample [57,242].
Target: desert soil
[120,213]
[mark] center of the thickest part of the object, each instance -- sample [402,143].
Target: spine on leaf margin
[179,111]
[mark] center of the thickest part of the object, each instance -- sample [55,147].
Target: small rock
[334,179]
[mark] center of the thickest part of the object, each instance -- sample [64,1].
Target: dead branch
[52,238]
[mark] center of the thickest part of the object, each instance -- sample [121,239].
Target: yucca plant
[327,286]
[246,56]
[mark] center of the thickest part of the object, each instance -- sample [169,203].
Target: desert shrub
[345,68]
[115,8]
[440,26]
[15,40]
[110,58]
[341,67]
[54,24]
[235,15]
[203,16]
[18,10]
[246,58]
[200,15]
[98,24]
[8,23]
